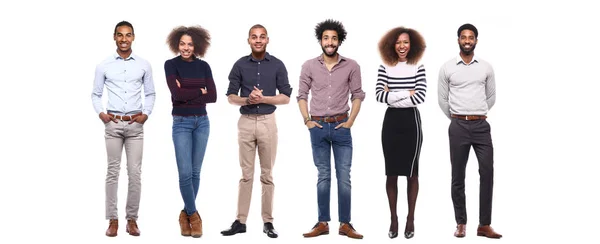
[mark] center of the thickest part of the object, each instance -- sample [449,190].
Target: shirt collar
[459,60]
[267,57]
[131,56]
[340,58]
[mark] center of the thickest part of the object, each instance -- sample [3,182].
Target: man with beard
[258,76]
[466,92]
[330,78]
[124,74]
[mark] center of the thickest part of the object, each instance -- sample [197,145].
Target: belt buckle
[466,117]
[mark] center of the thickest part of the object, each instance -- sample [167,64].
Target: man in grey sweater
[466,92]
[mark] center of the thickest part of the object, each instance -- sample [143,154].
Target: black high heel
[409,233]
[393,233]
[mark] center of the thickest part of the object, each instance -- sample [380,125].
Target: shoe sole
[493,237]
[323,233]
[344,234]
[243,231]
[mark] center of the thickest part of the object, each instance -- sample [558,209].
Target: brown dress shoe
[132,228]
[488,232]
[184,223]
[321,228]
[348,230]
[113,226]
[461,230]
[196,224]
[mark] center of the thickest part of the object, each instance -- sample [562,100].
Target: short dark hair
[200,37]
[387,46]
[331,25]
[124,23]
[257,26]
[467,26]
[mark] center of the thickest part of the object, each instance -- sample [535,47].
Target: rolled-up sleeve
[305,82]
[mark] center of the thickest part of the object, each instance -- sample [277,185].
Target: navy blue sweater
[189,100]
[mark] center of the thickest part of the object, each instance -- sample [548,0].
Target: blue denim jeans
[323,140]
[190,136]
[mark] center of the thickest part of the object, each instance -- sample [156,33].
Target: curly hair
[331,25]
[387,46]
[199,35]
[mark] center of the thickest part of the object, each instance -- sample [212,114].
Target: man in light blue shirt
[124,74]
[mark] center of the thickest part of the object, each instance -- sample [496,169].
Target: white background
[544,124]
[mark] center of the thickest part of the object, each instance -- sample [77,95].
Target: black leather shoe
[270,230]
[236,227]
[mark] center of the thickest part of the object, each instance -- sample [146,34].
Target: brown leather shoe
[184,224]
[196,225]
[113,226]
[321,228]
[461,230]
[348,230]
[488,232]
[132,228]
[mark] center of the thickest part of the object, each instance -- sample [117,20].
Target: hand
[256,96]
[385,88]
[139,119]
[105,118]
[346,124]
[203,91]
[311,124]
[178,84]
[412,92]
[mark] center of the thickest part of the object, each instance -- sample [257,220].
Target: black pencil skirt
[401,138]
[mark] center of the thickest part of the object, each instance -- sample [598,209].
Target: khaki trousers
[256,131]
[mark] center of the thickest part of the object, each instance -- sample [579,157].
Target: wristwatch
[306,119]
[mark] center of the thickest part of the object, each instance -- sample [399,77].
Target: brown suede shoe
[184,223]
[321,228]
[461,230]
[196,224]
[132,228]
[348,230]
[113,226]
[488,232]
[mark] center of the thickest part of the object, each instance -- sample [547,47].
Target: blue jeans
[323,140]
[190,136]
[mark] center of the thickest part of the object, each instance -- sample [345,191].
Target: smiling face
[186,47]
[402,46]
[467,42]
[258,40]
[123,38]
[330,43]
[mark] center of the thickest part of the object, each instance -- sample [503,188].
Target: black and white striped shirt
[400,79]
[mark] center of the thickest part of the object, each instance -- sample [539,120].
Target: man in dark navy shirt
[257,78]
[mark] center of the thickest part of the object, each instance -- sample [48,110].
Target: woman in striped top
[401,85]
[192,87]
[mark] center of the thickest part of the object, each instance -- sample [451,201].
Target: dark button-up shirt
[268,74]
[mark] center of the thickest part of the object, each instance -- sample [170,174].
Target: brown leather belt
[469,117]
[330,119]
[124,118]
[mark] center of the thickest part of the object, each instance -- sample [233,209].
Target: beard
[332,54]
[467,51]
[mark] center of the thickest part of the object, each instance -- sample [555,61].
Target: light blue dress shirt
[124,79]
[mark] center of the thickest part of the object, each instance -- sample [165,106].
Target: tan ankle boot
[113,226]
[196,223]
[184,223]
